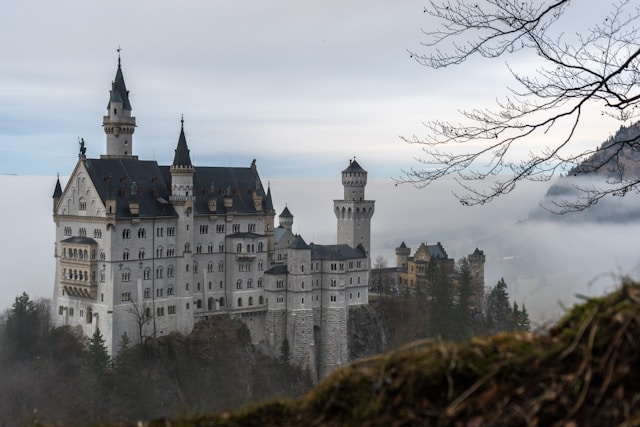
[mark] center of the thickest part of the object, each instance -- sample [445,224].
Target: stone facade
[144,249]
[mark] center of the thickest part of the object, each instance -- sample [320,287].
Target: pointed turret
[182,171]
[118,124]
[57,194]
[269,200]
[182,158]
[286,219]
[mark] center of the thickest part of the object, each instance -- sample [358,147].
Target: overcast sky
[299,85]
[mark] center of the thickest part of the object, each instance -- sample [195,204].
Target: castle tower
[270,224]
[182,198]
[119,124]
[354,212]
[300,306]
[402,255]
[476,267]
[286,219]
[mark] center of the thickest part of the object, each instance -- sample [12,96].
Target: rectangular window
[160,311]
[220,228]
[159,231]
[236,228]
[171,309]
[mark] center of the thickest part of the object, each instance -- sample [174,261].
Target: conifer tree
[521,318]
[499,315]
[98,359]
[439,302]
[462,310]
[22,328]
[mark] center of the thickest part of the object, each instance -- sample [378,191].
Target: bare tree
[595,69]
[143,316]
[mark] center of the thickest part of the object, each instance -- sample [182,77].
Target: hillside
[584,372]
[616,159]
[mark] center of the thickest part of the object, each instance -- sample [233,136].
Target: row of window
[82,232]
[70,313]
[142,232]
[79,254]
[80,275]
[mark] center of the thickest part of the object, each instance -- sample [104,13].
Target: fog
[545,262]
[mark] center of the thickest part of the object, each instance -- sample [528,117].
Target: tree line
[61,376]
[446,306]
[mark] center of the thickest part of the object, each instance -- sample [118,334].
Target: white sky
[298,85]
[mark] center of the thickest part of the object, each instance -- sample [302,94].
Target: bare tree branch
[598,69]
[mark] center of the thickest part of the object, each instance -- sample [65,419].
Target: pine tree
[98,359]
[462,310]
[499,315]
[439,302]
[522,319]
[285,352]
[22,328]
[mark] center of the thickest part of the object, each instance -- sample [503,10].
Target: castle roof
[119,92]
[353,167]
[437,251]
[336,252]
[80,240]
[182,157]
[298,243]
[57,192]
[278,269]
[113,178]
[269,201]
[286,213]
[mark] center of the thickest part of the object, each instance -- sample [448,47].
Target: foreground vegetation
[584,372]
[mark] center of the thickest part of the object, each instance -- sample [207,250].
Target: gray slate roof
[80,240]
[335,252]
[182,157]
[114,178]
[119,92]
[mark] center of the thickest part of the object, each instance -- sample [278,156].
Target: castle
[410,271]
[144,249]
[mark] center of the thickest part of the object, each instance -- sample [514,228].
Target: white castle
[144,250]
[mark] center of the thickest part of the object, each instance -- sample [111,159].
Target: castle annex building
[144,249]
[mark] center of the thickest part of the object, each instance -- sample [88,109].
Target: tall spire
[182,157]
[119,124]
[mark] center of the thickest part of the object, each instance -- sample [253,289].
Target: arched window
[147,293]
[210,304]
[187,247]
[249,283]
[239,248]
[260,283]
[261,300]
[239,302]
[221,301]
[250,300]
[159,273]
[260,247]
[239,284]
[199,304]
[170,290]
[141,253]
[147,273]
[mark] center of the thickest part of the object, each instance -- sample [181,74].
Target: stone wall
[366,332]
